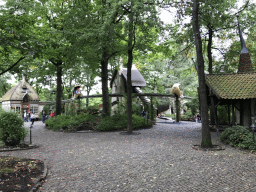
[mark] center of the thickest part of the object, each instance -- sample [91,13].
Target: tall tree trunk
[209,49]
[209,53]
[59,88]
[104,78]
[206,135]
[129,82]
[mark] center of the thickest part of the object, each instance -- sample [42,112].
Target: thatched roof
[233,86]
[136,77]
[18,92]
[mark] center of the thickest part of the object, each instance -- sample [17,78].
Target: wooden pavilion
[237,90]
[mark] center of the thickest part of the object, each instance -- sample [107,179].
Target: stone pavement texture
[158,159]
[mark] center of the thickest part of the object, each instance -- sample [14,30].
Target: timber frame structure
[237,90]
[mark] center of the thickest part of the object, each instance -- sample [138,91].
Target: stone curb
[38,183]
[18,148]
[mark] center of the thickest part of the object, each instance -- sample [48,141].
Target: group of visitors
[29,117]
[45,117]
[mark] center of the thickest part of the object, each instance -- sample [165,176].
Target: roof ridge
[241,73]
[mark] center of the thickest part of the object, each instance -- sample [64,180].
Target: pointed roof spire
[23,82]
[245,63]
[243,44]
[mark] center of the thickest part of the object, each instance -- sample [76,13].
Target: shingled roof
[17,92]
[233,86]
[136,77]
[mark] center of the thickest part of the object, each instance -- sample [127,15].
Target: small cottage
[237,90]
[21,98]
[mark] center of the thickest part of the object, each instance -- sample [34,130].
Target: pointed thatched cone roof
[245,64]
[17,92]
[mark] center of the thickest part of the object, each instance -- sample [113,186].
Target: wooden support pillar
[177,108]
[241,113]
[233,114]
[252,110]
[229,114]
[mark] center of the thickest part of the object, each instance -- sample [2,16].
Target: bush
[71,123]
[238,136]
[173,116]
[119,122]
[11,128]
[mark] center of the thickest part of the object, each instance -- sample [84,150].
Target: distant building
[21,98]
[118,84]
[237,90]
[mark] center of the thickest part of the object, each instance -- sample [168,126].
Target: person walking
[29,117]
[43,116]
[33,117]
[25,116]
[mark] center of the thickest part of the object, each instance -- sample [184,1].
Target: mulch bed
[17,174]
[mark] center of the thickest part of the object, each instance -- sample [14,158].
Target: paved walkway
[158,159]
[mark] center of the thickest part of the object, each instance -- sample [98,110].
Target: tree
[17,38]
[206,135]
[141,20]
[4,86]
[94,30]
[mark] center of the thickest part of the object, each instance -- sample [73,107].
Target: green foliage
[47,108]
[71,123]
[173,116]
[222,114]
[92,110]
[238,136]
[11,127]
[193,105]
[119,122]
[122,106]
[188,115]
[70,109]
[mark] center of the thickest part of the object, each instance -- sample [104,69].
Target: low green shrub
[71,123]
[11,127]
[119,122]
[238,136]
[173,116]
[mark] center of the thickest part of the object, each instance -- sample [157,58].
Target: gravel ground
[158,159]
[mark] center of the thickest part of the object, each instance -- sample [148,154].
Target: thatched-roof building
[21,98]
[119,81]
[237,90]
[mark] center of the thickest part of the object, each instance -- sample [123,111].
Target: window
[34,109]
[15,109]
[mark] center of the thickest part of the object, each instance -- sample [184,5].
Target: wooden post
[252,109]
[177,108]
[229,114]
[233,114]
[241,113]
